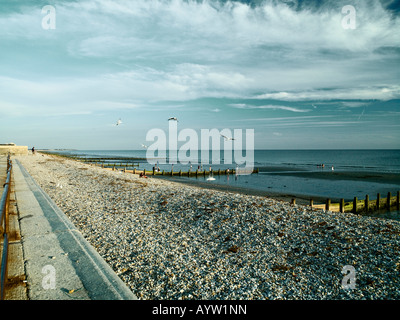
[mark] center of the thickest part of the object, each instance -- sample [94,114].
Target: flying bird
[118,122]
[144,146]
[227,138]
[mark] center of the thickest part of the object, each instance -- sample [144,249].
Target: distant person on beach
[33,150]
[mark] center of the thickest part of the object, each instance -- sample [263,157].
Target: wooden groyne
[358,206]
[361,205]
[180,173]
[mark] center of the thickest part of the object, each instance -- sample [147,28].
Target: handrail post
[4,209]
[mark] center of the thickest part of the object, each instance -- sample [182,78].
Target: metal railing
[4,207]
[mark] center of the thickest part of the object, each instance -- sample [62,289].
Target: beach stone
[167,240]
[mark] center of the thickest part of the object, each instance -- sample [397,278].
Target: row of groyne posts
[356,206]
[156,171]
[360,206]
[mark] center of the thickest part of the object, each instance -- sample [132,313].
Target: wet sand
[378,177]
[286,197]
[301,198]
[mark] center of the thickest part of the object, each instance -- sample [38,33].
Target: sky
[303,74]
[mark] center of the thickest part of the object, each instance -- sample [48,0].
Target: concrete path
[59,263]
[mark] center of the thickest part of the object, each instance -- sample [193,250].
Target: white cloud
[155,50]
[366,93]
[273,107]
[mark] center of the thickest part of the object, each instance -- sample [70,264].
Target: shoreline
[168,240]
[279,196]
[285,171]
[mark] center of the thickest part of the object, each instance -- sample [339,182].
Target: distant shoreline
[285,171]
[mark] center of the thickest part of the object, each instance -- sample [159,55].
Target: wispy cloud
[180,50]
[305,122]
[272,107]
[349,93]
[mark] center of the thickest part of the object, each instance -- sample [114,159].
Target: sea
[301,173]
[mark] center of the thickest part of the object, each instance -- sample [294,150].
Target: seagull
[226,138]
[173,118]
[144,146]
[118,122]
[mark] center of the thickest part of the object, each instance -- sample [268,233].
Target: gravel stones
[172,241]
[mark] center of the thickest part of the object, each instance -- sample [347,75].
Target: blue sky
[287,69]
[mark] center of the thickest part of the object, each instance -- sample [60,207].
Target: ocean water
[344,160]
[278,169]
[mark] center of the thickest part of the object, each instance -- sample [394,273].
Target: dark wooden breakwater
[180,173]
[364,206]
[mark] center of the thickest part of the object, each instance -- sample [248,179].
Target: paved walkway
[59,263]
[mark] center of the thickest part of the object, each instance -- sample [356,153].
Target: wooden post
[134,170]
[355,205]
[367,203]
[293,202]
[180,173]
[197,172]
[154,171]
[328,204]
[398,201]
[389,196]
[341,205]
[219,171]
[144,172]
[311,203]
[204,172]
[378,200]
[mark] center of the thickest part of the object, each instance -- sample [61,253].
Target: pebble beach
[168,240]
